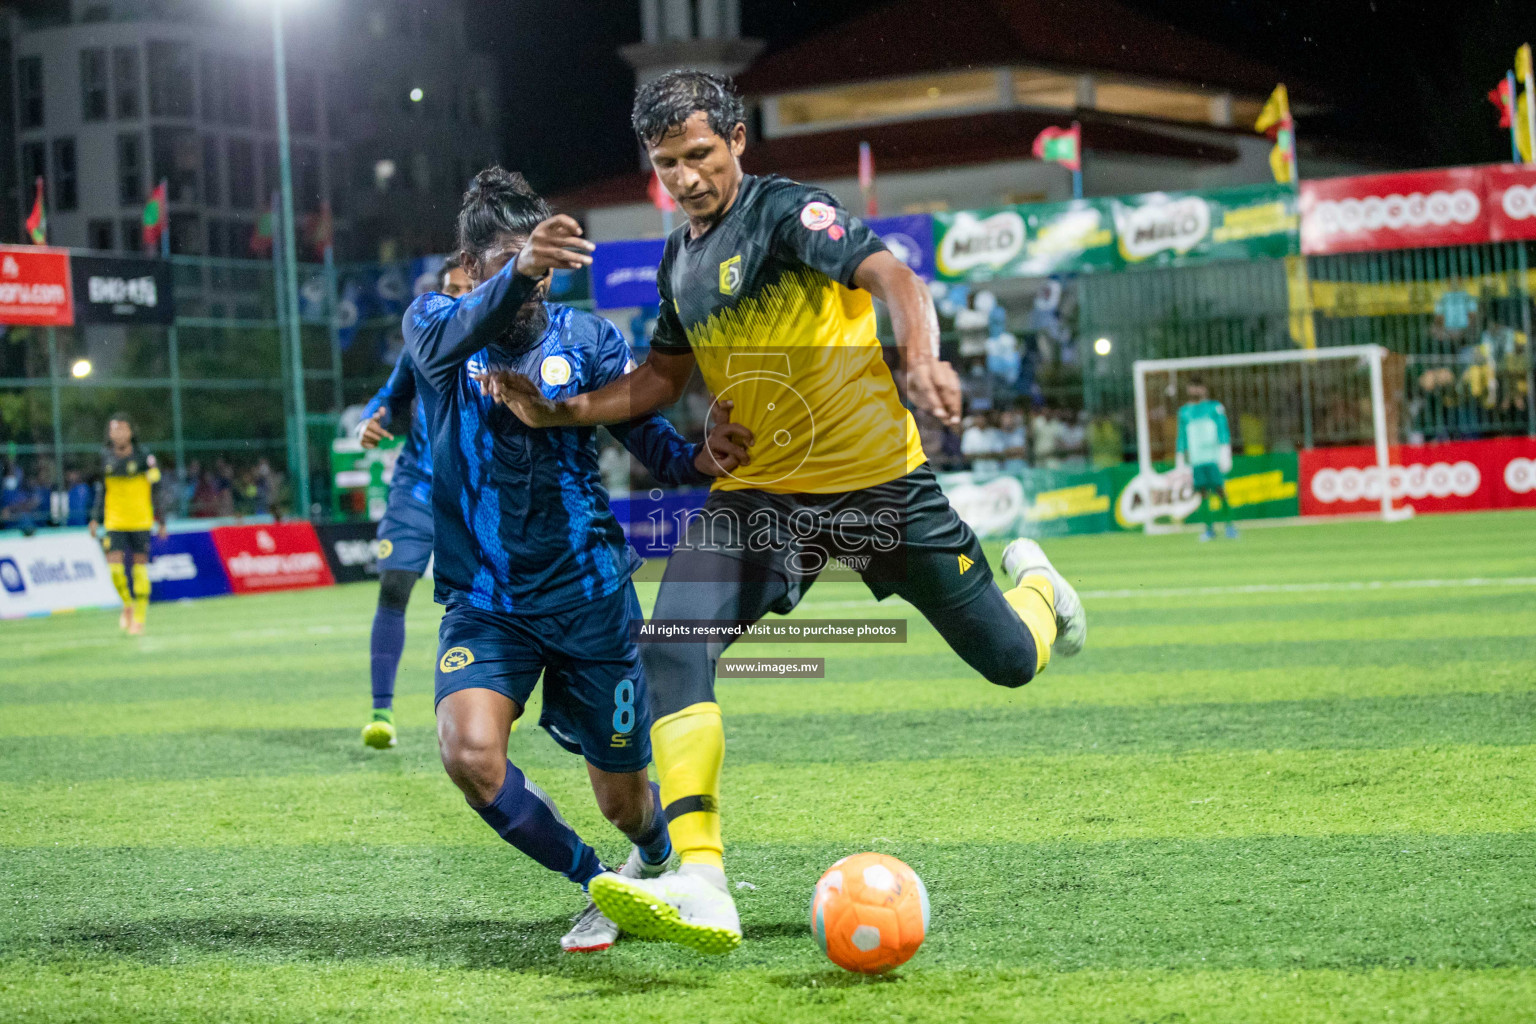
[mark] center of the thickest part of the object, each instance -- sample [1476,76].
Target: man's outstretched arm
[654,384]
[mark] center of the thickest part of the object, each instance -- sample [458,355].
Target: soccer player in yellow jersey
[125,507]
[768,289]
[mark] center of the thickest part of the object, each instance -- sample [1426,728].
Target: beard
[532,321]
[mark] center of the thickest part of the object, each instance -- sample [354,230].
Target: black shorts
[129,542]
[902,537]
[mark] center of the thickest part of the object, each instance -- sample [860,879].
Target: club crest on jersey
[818,216]
[556,370]
[730,275]
[456,658]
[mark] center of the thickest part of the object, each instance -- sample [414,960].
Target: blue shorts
[405,532]
[595,701]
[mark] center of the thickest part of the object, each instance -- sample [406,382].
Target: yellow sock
[1034,601]
[140,591]
[689,748]
[120,581]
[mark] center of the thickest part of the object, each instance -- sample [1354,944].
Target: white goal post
[1303,360]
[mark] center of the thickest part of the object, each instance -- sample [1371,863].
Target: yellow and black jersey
[765,300]
[127,502]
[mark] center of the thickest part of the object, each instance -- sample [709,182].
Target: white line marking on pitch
[1254,588]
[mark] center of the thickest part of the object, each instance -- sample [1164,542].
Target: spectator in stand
[1044,432]
[224,489]
[1072,439]
[205,495]
[265,482]
[78,498]
[1014,440]
[982,443]
[1004,363]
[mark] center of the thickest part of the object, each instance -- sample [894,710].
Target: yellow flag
[1523,126]
[1277,110]
[1280,164]
[1523,62]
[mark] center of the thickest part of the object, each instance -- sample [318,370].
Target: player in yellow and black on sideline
[125,507]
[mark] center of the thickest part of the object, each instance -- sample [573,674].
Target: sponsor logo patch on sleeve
[818,216]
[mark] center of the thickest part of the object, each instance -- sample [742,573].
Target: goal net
[1287,400]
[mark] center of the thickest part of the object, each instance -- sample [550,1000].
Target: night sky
[1407,77]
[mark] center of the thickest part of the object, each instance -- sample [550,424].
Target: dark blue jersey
[521,519]
[398,400]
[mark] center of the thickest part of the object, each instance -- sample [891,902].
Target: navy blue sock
[654,842]
[525,816]
[384,649]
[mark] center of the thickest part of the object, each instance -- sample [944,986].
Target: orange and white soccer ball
[869,913]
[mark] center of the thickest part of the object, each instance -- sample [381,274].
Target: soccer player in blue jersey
[405,532]
[529,560]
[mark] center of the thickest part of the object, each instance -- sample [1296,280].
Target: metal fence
[217,386]
[1460,318]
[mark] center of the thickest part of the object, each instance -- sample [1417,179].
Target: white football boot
[689,907]
[592,930]
[1024,558]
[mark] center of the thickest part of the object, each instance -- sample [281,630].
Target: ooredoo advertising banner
[1511,191]
[35,287]
[279,556]
[1393,211]
[53,573]
[1458,476]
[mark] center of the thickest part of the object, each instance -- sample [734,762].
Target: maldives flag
[1501,97]
[1061,145]
[660,197]
[154,218]
[265,231]
[867,180]
[321,229]
[37,221]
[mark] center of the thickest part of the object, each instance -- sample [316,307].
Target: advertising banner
[1511,200]
[624,273]
[1053,503]
[185,565]
[35,287]
[910,239]
[1085,235]
[654,524]
[122,291]
[1393,211]
[1458,476]
[53,573]
[279,556]
[351,549]
[1259,487]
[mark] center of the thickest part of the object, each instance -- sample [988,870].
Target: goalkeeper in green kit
[1205,446]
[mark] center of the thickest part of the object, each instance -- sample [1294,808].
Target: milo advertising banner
[1087,235]
[1054,503]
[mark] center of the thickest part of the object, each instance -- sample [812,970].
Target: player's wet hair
[499,202]
[662,105]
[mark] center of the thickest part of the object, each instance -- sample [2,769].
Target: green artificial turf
[1292,778]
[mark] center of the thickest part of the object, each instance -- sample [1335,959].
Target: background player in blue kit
[529,560]
[405,532]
